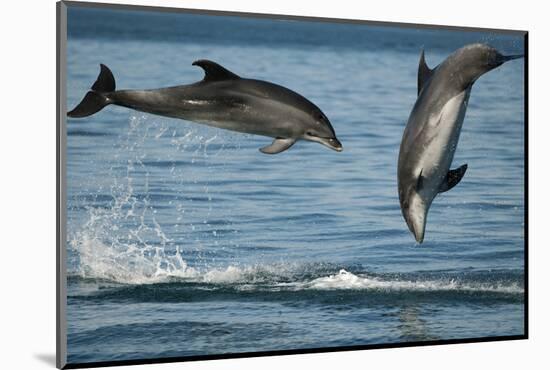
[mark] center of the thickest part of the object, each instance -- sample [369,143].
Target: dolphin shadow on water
[433,129]
[224,100]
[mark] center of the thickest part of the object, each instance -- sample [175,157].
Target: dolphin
[433,129]
[224,100]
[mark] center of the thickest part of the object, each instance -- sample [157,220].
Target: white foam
[131,264]
[104,254]
[231,274]
[345,280]
[143,264]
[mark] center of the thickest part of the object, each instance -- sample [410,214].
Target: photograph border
[61,186]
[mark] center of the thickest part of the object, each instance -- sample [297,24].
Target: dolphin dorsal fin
[424,72]
[214,72]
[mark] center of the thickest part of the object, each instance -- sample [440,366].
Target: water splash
[124,241]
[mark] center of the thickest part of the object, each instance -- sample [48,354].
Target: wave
[131,261]
[105,251]
[136,269]
[105,254]
[131,264]
[123,243]
[254,279]
[347,280]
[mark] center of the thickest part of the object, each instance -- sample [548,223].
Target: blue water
[186,240]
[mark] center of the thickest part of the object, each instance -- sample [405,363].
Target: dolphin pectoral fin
[214,72]
[424,72]
[453,177]
[419,181]
[278,145]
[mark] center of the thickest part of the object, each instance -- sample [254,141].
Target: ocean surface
[185,240]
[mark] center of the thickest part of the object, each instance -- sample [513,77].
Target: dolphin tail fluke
[95,99]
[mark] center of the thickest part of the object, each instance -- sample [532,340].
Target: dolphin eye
[309,133]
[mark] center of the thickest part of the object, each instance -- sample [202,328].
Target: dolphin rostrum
[433,129]
[222,99]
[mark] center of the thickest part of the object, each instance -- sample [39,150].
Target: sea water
[186,240]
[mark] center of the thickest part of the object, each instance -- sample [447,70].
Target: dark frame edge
[526,183]
[61,281]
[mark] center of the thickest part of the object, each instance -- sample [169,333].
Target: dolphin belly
[424,162]
[250,115]
[440,141]
[230,112]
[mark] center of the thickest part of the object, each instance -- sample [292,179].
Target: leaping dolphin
[222,99]
[433,129]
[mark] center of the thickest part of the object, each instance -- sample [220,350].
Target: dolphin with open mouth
[224,100]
